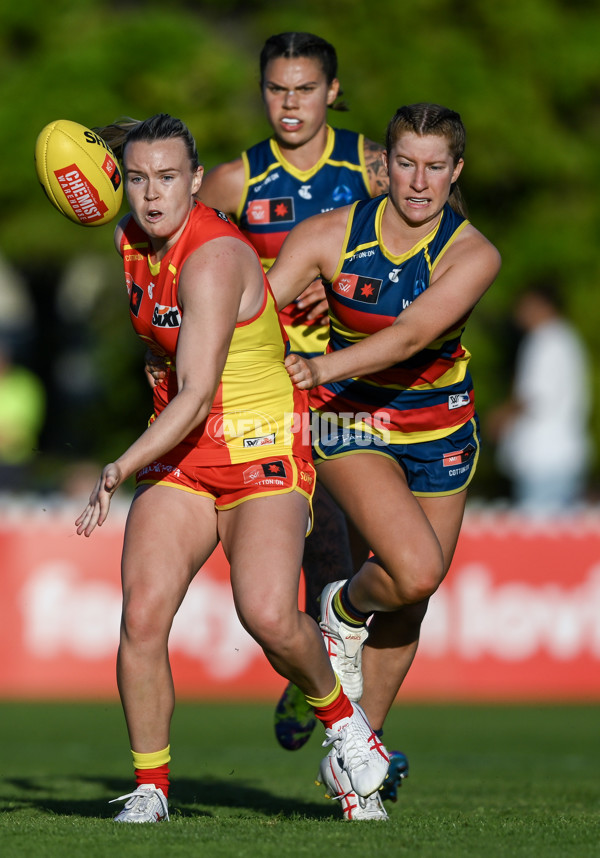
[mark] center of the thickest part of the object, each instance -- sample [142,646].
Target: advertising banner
[518,617]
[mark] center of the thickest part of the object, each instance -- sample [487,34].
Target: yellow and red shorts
[230,485]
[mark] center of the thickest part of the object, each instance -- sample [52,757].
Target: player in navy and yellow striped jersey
[304,168]
[397,440]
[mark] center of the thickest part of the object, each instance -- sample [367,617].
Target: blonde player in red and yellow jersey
[219,462]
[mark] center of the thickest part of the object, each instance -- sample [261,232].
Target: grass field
[484,782]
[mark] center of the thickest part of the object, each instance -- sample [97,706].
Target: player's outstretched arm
[311,250]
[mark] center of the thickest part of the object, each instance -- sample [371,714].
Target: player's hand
[314,301]
[301,371]
[155,367]
[99,503]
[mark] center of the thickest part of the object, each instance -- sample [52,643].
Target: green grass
[485,782]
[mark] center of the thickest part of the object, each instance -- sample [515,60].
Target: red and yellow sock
[332,708]
[153,768]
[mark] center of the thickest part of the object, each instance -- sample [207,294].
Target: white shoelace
[140,798]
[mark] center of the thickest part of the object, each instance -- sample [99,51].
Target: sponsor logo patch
[458,400]
[358,288]
[280,210]
[263,441]
[458,457]
[166,317]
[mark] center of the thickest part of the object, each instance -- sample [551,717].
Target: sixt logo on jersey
[166,317]
[358,288]
[280,210]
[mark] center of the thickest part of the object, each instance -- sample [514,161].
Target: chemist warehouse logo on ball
[81,195]
[166,317]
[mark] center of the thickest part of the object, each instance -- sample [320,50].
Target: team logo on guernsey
[136,293]
[280,210]
[342,195]
[458,457]
[166,317]
[358,288]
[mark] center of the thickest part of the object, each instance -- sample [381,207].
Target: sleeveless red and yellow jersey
[256,411]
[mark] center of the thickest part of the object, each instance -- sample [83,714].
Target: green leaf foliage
[523,75]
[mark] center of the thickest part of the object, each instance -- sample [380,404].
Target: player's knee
[268,625]
[422,581]
[144,620]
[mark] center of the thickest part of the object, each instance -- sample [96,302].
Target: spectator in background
[542,433]
[22,411]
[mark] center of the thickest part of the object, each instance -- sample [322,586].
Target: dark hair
[423,119]
[291,45]
[161,126]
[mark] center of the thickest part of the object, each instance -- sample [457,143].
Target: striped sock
[345,610]
[332,708]
[153,768]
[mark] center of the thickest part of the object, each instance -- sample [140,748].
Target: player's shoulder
[125,224]
[222,186]
[472,245]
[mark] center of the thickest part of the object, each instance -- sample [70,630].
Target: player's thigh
[373,492]
[169,535]
[263,539]
[446,516]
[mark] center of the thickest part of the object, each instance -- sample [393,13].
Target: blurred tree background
[524,75]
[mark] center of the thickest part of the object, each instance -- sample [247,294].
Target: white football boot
[359,751]
[344,643]
[147,803]
[338,786]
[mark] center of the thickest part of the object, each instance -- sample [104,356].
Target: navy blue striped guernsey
[277,196]
[426,397]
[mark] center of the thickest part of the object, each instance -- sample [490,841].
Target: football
[79,173]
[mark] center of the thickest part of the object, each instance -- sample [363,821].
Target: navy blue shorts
[432,468]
